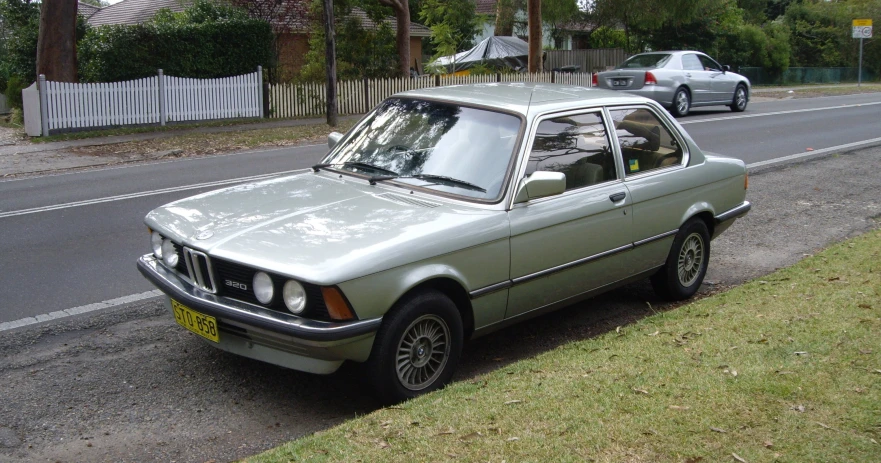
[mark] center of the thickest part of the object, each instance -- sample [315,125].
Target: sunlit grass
[784,368]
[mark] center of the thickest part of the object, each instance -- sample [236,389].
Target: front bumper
[263,334]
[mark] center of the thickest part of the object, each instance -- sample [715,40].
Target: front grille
[199,270]
[233,277]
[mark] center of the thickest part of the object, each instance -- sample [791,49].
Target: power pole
[330,59]
[533,13]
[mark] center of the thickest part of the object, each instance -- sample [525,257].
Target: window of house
[575,145]
[645,142]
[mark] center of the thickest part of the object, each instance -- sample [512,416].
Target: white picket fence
[360,96]
[152,100]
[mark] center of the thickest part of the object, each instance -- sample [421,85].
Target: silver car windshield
[440,146]
[647,61]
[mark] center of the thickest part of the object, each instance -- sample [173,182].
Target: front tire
[738,104]
[681,102]
[686,265]
[417,348]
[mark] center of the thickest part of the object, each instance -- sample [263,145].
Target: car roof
[524,98]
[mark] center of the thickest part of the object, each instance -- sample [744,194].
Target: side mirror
[726,68]
[333,139]
[539,185]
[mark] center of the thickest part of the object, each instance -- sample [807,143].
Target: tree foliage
[206,40]
[453,24]
[360,52]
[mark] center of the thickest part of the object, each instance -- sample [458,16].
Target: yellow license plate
[201,324]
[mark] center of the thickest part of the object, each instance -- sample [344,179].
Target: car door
[698,79]
[654,158]
[721,84]
[568,244]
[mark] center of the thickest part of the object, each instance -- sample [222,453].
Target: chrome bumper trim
[734,213]
[172,285]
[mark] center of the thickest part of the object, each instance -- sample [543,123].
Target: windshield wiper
[362,165]
[369,166]
[449,180]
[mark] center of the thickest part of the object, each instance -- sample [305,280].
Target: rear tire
[738,104]
[681,102]
[417,348]
[686,265]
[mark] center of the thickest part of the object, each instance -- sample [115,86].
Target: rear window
[653,60]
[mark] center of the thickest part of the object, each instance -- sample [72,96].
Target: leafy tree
[453,24]
[402,35]
[360,52]
[555,14]
[56,42]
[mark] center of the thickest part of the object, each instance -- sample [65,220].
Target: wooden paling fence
[360,96]
[4,107]
[159,99]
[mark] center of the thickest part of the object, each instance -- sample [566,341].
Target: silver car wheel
[691,258]
[422,352]
[740,98]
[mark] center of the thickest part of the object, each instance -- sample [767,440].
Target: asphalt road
[127,384]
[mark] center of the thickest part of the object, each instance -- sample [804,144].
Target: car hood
[322,229]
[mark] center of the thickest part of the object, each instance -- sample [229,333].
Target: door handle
[688,74]
[617,197]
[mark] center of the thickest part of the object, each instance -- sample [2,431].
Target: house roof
[485,6]
[133,11]
[139,11]
[85,10]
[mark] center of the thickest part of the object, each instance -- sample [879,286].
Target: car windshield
[647,61]
[441,146]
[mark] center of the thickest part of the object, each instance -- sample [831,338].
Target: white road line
[777,113]
[5,326]
[818,152]
[144,193]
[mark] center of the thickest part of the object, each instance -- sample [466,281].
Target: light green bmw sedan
[444,214]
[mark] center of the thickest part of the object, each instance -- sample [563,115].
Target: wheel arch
[455,291]
[701,211]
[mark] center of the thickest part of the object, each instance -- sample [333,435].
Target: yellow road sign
[862,22]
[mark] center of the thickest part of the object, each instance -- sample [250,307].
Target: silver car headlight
[263,288]
[294,296]
[156,243]
[169,255]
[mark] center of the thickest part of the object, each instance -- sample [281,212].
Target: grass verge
[201,143]
[175,127]
[817,91]
[784,368]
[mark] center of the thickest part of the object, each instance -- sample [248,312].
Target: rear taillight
[650,78]
[594,80]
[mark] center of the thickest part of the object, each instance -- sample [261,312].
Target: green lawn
[785,368]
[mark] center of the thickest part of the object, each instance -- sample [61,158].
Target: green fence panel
[795,76]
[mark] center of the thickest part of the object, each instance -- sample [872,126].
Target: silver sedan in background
[679,80]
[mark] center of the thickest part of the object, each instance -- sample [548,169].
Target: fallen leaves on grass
[719,430]
[511,402]
[738,457]
[470,436]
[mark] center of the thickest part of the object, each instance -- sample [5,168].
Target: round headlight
[156,243]
[294,296]
[263,289]
[169,255]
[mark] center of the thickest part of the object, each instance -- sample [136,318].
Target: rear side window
[645,142]
[575,145]
[691,63]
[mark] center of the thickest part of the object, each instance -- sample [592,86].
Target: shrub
[204,41]
[14,86]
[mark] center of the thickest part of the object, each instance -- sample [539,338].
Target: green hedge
[219,43]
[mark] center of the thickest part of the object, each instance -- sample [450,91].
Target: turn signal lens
[336,304]
[650,78]
[746,181]
[263,289]
[594,80]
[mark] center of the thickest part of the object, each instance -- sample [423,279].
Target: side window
[577,146]
[709,64]
[645,143]
[690,62]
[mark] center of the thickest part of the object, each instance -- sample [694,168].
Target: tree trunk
[533,12]
[56,45]
[403,38]
[330,60]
